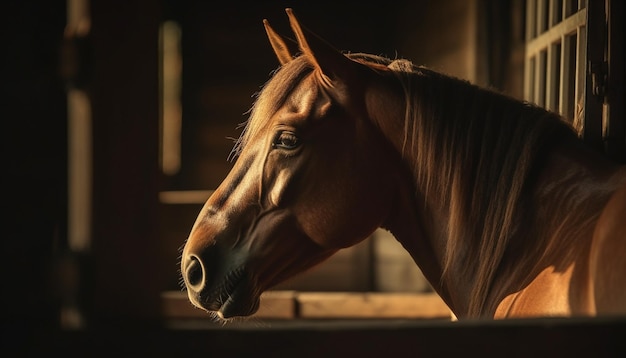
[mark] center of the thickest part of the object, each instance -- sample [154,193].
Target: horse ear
[278,44]
[328,60]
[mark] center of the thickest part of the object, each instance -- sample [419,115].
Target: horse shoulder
[608,266]
[547,296]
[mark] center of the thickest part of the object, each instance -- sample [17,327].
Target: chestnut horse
[503,208]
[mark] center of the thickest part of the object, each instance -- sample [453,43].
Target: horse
[505,210]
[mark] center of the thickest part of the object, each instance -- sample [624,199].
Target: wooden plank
[371,305]
[274,305]
[324,305]
[564,28]
[278,305]
[185,196]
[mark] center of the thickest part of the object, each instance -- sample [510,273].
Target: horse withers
[503,208]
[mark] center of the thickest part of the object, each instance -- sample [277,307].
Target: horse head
[312,176]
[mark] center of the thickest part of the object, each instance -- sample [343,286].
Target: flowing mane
[479,151]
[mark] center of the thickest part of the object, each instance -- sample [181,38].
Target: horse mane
[473,150]
[477,152]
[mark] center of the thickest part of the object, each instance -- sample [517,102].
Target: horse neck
[412,224]
[415,222]
[425,225]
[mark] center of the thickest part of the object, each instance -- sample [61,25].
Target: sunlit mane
[270,98]
[476,151]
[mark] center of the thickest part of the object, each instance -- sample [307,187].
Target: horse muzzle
[224,288]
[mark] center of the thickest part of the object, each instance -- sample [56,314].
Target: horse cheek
[277,189]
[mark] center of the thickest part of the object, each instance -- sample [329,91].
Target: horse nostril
[194,272]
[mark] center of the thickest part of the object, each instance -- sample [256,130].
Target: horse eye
[286,140]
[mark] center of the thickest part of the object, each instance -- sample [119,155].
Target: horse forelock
[275,91]
[471,151]
[270,98]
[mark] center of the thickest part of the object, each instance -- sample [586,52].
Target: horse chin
[236,294]
[229,311]
[241,302]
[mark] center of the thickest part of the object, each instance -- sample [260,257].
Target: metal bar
[550,78]
[529,63]
[579,86]
[554,13]
[529,70]
[566,105]
[540,79]
[540,25]
[531,18]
